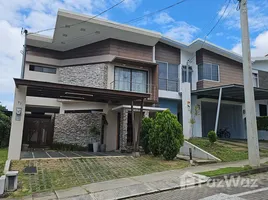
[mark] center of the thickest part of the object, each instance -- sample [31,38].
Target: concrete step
[196,160]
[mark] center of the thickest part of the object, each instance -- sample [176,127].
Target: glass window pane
[162,84]
[172,85]
[215,73]
[122,79]
[162,70]
[207,71]
[200,72]
[38,68]
[49,70]
[139,81]
[173,72]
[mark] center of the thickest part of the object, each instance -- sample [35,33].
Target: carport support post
[218,111]
[17,123]
[133,125]
[139,128]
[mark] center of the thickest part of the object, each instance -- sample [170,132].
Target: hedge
[262,123]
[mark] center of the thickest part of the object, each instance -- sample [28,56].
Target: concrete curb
[243,173]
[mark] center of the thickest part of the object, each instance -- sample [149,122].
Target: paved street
[209,192]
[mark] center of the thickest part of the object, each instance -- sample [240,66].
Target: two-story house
[88,75]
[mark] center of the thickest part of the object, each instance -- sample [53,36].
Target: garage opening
[230,118]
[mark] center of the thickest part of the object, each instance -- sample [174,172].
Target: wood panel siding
[131,50]
[231,72]
[263,79]
[105,47]
[166,53]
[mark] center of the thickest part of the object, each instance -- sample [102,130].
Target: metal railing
[135,87]
[169,85]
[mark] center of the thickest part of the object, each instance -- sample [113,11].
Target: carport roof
[74,92]
[231,92]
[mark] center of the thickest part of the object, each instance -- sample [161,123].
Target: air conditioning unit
[11,180]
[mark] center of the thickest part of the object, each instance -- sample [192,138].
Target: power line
[218,21]
[127,22]
[153,13]
[68,26]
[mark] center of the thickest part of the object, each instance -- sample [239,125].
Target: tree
[5,125]
[166,136]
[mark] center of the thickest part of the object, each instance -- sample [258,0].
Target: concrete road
[251,187]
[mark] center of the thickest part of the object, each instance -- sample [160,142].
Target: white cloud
[257,16]
[163,18]
[219,34]
[35,15]
[131,5]
[181,31]
[259,46]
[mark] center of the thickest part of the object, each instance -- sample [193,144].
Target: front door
[37,131]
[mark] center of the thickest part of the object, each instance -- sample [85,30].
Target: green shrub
[166,136]
[147,124]
[262,123]
[212,136]
[5,124]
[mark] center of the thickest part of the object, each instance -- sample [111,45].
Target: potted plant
[95,133]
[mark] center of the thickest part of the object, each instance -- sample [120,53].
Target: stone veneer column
[146,113]
[123,130]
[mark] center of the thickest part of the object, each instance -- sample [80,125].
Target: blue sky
[184,22]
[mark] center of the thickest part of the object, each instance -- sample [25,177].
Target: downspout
[25,32]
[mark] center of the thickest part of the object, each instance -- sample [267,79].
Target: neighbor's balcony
[169,85]
[136,87]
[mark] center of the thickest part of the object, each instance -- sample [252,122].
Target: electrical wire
[118,25]
[215,25]
[70,25]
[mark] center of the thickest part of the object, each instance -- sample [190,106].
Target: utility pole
[252,134]
[25,32]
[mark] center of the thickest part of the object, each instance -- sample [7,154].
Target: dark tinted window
[263,110]
[37,68]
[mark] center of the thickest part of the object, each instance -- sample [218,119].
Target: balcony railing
[135,87]
[169,85]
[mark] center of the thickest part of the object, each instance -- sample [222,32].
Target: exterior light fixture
[81,94]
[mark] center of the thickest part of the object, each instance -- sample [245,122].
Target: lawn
[3,158]
[226,170]
[226,150]
[64,173]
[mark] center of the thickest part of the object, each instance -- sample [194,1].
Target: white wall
[258,102]
[260,65]
[40,76]
[45,102]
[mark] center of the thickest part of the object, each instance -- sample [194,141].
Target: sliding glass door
[130,80]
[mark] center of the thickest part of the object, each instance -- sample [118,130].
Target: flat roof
[74,92]
[231,92]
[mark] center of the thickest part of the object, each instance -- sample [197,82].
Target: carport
[216,114]
[61,91]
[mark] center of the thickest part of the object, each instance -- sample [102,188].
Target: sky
[185,22]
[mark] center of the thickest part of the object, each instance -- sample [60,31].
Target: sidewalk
[139,185]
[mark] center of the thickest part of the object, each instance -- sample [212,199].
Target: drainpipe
[25,32]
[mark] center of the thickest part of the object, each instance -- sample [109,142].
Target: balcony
[169,85]
[136,87]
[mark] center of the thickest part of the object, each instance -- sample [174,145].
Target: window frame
[257,77]
[42,67]
[219,78]
[178,79]
[131,69]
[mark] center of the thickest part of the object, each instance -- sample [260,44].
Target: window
[263,109]
[130,80]
[184,74]
[37,68]
[255,80]
[208,72]
[168,76]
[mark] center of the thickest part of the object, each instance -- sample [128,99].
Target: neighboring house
[87,75]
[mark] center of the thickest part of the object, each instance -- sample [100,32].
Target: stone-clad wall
[94,75]
[73,128]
